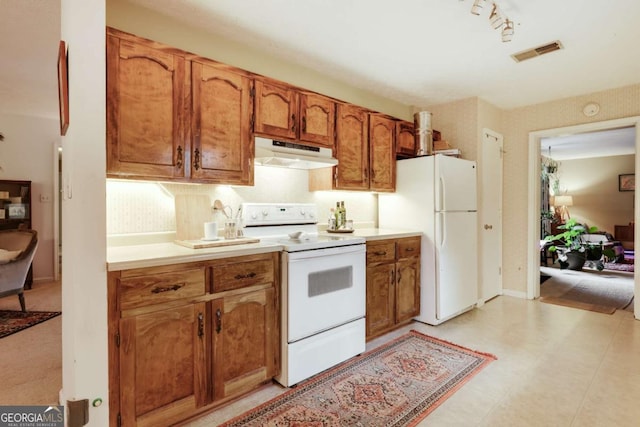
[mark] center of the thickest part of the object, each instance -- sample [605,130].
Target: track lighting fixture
[496,19]
[507,31]
[476,9]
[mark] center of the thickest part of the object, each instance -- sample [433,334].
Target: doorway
[534,199]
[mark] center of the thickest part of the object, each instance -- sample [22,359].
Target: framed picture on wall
[627,182]
[63,87]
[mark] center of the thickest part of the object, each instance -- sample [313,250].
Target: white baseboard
[515,294]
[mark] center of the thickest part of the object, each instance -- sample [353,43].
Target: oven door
[324,288]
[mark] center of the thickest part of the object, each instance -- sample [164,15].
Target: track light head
[495,18]
[507,31]
[476,9]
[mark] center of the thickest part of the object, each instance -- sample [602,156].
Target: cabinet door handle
[218,321]
[393,277]
[200,325]
[160,289]
[245,276]
[179,157]
[196,159]
[399,279]
[380,253]
[293,121]
[304,123]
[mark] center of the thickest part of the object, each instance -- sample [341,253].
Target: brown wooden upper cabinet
[352,148]
[405,139]
[147,112]
[382,149]
[282,111]
[221,124]
[365,149]
[171,115]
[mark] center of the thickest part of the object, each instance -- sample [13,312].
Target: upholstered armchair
[17,248]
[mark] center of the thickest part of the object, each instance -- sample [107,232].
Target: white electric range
[323,288]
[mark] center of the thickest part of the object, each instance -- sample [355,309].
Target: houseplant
[573,251]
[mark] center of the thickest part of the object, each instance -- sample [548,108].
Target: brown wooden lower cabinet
[393,284]
[180,348]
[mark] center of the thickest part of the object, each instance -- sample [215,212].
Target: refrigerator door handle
[441,194]
[443,228]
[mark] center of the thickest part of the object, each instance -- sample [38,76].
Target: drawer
[381,251]
[242,273]
[409,247]
[161,287]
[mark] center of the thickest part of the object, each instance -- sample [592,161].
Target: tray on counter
[340,231]
[200,244]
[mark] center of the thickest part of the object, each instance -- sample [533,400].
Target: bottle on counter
[338,216]
[343,214]
[331,221]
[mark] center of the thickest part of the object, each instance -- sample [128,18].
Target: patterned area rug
[397,384]
[15,321]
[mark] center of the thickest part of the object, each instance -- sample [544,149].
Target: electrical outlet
[44,198]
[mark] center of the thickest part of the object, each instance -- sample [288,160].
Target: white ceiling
[417,52]
[613,142]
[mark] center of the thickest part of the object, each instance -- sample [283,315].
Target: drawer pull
[160,289]
[218,321]
[380,253]
[200,325]
[245,276]
[409,249]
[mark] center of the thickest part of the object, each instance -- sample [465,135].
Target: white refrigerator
[437,196]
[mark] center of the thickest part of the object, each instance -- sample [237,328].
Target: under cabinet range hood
[270,152]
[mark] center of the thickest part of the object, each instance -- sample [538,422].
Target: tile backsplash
[148,207]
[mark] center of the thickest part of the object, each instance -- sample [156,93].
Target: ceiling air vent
[537,51]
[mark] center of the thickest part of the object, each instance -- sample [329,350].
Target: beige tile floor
[557,366]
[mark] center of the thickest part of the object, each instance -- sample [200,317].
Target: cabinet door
[382,158]
[380,298]
[162,365]
[352,148]
[317,119]
[222,108]
[276,110]
[245,342]
[407,289]
[405,139]
[146,110]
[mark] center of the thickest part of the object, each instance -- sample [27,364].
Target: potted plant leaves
[573,251]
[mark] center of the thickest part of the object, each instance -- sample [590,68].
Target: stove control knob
[254,216]
[265,213]
[302,212]
[310,214]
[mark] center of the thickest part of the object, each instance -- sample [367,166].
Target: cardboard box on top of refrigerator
[441,145]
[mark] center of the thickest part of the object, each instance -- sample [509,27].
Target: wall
[593,184]
[614,103]
[84,291]
[145,207]
[149,24]
[27,154]
[458,124]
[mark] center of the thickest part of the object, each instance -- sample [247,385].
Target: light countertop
[384,233]
[127,257]
[157,254]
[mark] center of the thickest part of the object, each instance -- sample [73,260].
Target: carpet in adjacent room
[599,291]
[16,321]
[396,384]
